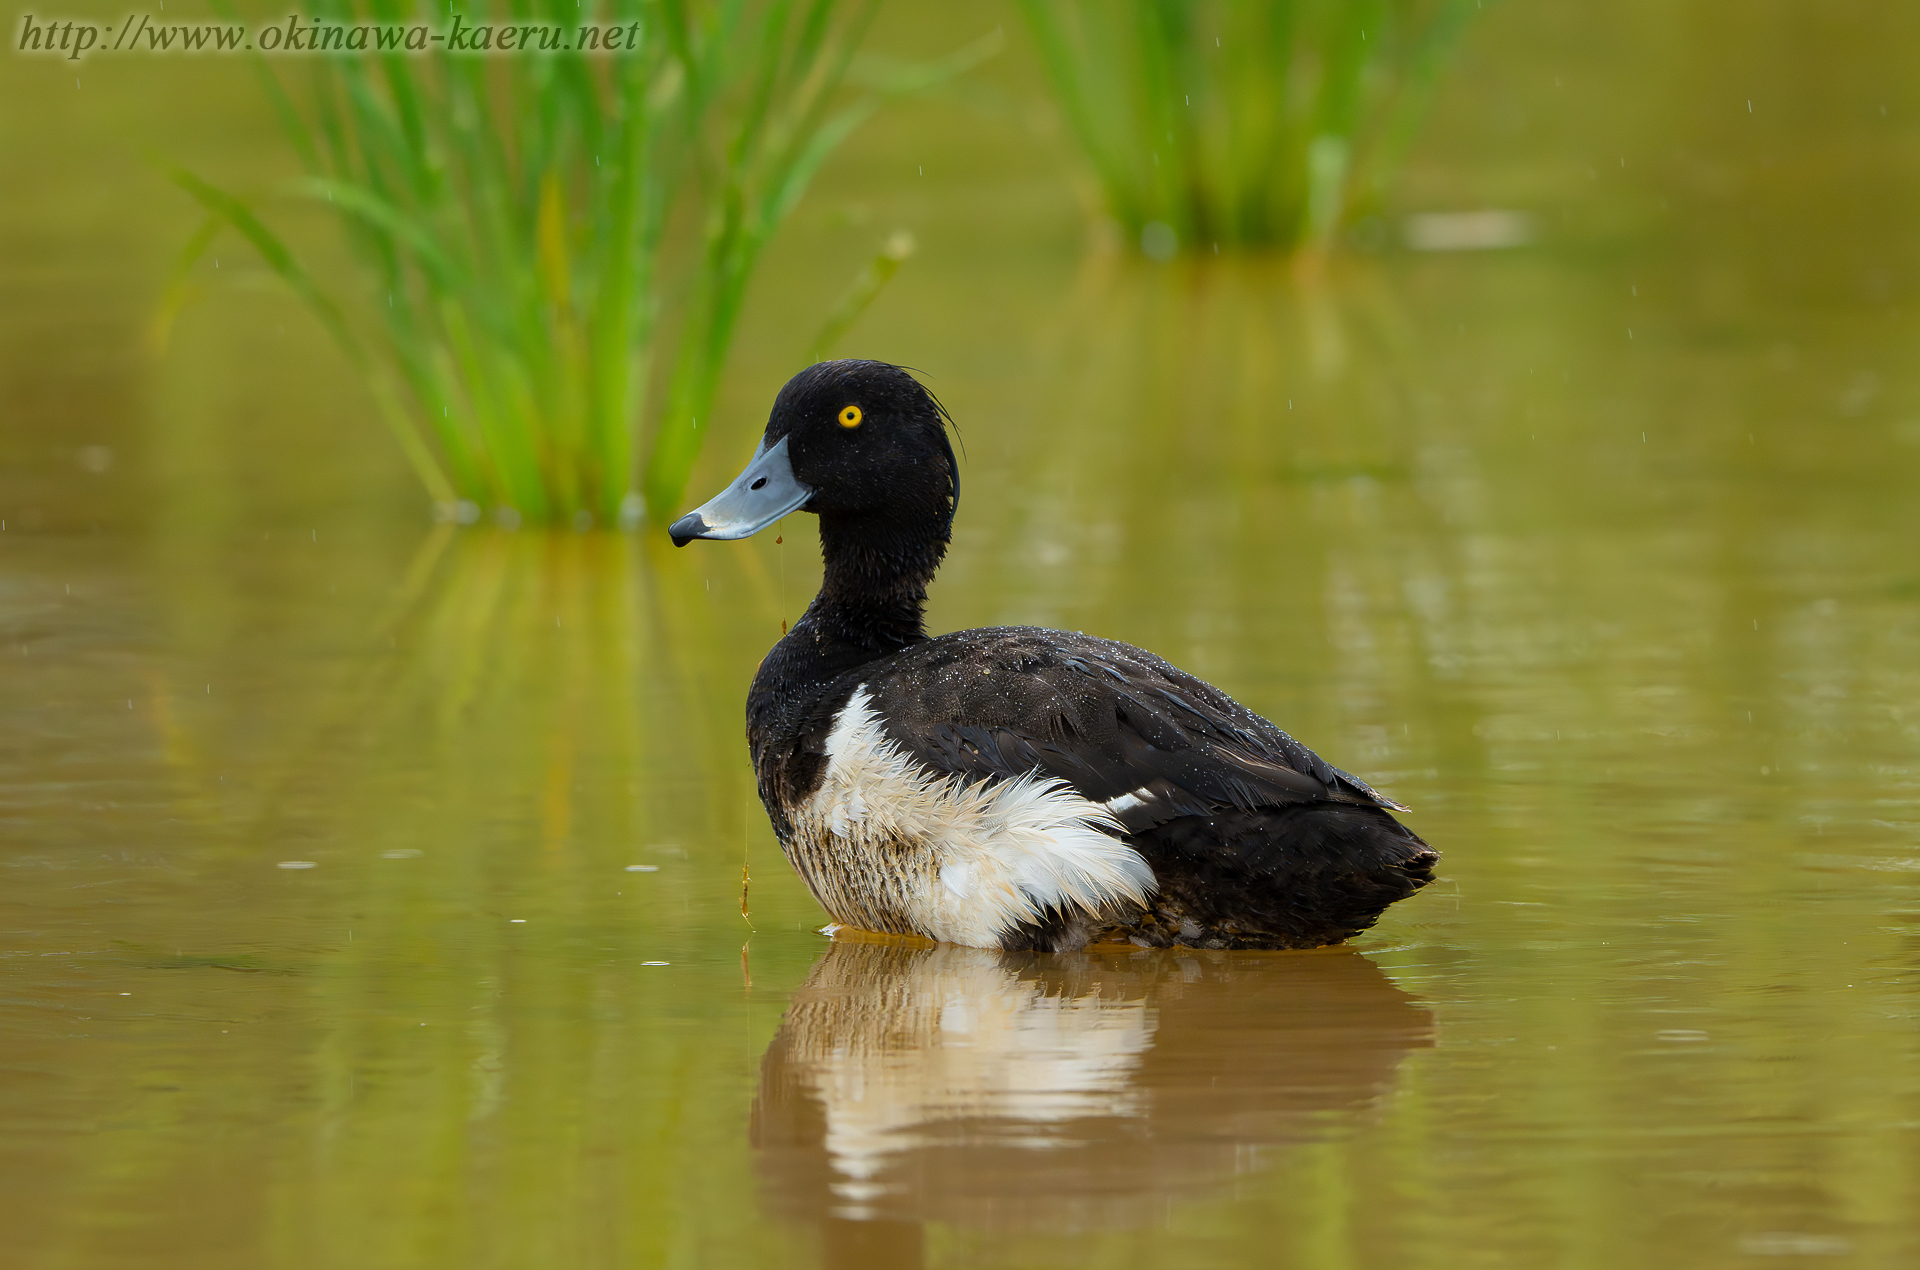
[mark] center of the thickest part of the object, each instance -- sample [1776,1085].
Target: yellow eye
[850,417]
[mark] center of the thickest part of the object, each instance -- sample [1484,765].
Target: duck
[1015,787]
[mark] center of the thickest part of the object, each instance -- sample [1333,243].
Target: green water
[1599,553]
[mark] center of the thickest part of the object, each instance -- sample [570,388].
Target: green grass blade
[235,213]
[178,292]
[1245,123]
[382,215]
[510,214]
[866,288]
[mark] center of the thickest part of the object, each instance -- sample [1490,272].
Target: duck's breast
[886,843]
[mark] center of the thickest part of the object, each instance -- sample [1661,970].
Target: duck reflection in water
[1064,1090]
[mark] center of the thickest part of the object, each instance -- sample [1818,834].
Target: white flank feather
[1001,851]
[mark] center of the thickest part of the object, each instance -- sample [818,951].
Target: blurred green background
[1598,549]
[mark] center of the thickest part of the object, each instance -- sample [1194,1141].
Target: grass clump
[1243,123]
[514,213]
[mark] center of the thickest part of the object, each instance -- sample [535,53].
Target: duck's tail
[1283,877]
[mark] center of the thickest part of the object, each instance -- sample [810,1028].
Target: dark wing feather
[1117,723]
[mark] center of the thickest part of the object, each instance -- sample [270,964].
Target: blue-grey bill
[762,494]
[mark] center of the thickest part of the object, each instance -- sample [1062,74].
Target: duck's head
[849,441]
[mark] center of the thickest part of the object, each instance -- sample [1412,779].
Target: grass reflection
[497,1073]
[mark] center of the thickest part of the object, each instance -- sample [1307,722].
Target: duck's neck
[872,599]
[873,595]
